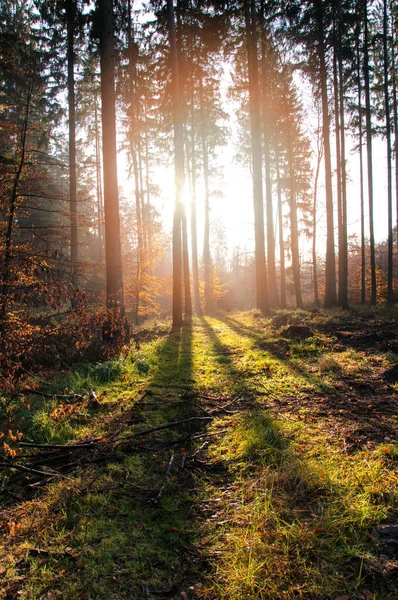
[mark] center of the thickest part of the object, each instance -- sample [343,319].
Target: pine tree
[114,271]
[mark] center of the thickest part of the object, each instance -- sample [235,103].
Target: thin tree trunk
[208,292]
[132,72]
[272,289]
[390,297]
[194,234]
[338,165]
[113,254]
[363,250]
[11,216]
[394,68]
[185,248]
[294,229]
[262,302]
[330,287]
[70,9]
[147,205]
[343,246]
[137,194]
[369,157]
[142,191]
[187,279]
[98,183]
[179,172]
[281,240]
[314,229]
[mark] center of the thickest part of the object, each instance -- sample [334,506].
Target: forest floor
[240,458]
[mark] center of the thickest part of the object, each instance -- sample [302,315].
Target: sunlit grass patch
[301,518]
[328,364]
[275,500]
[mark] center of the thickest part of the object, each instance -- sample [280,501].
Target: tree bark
[11,217]
[262,302]
[185,260]
[179,172]
[281,240]
[294,228]
[208,292]
[98,184]
[272,289]
[390,292]
[343,246]
[194,233]
[362,201]
[395,111]
[70,15]
[330,287]
[113,254]
[314,228]
[338,165]
[369,157]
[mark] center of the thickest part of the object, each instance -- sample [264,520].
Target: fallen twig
[19,467]
[161,427]
[58,396]
[168,472]
[60,446]
[209,434]
[45,552]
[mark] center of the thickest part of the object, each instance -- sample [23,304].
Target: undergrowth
[278,498]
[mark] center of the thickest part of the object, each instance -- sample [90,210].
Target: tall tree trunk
[294,228]
[194,234]
[394,68]
[369,156]
[147,204]
[338,163]
[6,267]
[314,228]
[179,172]
[208,292]
[362,201]
[262,302]
[281,240]
[390,293]
[343,246]
[272,289]
[113,254]
[98,184]
[142,188]
[185,260]
[133,110]
[185,246]
[138,216]
[70,12]
[330,287]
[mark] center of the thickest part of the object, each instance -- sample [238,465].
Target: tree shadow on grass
[174,364]
[127,519]
[253,413]
[155,499]
[363,413]
[300,527]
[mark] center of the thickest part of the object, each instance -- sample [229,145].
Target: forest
[198,288]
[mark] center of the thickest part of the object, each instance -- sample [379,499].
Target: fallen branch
[209,434]
[161,427]
[23,468]
[45,552]
[59,446]
[168,472]
[58,396]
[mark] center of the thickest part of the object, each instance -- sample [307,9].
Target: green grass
[282,510]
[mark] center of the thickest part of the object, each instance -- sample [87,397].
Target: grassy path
[277,495]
